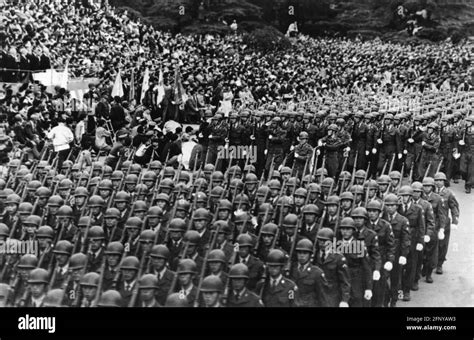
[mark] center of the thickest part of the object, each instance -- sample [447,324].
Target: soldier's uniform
[311,283]
[336,271]
[467,157]
[400,227]
[390,146]
[359,145]
[303,153]
[332,147]
[245,298]
[429,154]
[283,294]
[276,138]
[218,133]
[448,138]
[450,204]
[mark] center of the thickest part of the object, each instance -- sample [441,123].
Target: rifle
[133,299]
[427,170]
[16,172]
[204,264]
[384,167]
[321,222]
[391,164]
[322,168]
[354,169]
[440,164]
[343,169]
[101,282]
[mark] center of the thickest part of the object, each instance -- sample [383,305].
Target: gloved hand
[405,152]
[461,142]
[210,136]
[292,148]
[318,152]
[379,141]
[347,149]
[320,143]
[426,238]
[419,247]
[402,260]
[270,137]
[297,155]
[388,266]
[454,226]
[441,234]
[200,135]
[281,166]
[423,143]
[368,294]
[343,304]
[252,137]
[265,152]
[400,156]
[410,140]
[226,140]
[367,153]
[376,275]
[374,150]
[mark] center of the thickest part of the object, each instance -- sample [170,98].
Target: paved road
[455,288]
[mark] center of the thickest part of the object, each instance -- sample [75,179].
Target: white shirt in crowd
[61,136]
[186,149]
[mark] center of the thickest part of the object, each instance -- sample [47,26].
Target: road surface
[455,287]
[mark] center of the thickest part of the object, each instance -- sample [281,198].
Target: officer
[386,242]
[359,144]
[388,141]
[309,278]
[331,144]
[240,295]
[217,134]
[441,218]
[429,233]
[415,137]
[448,136]
[451,205]
[358,262]
[274,148]
[303,154]
[335,268]
[414,214]
[400,227]
[466,145]
[277,291]
[429,155]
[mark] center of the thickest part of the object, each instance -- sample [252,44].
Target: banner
[117,90]
[145,84]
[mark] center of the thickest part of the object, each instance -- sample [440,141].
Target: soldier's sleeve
[398,141]
[405,238]
[421,227]
[293,293]
[367,269]
[375,253]
[454,207]
[391,246]
[443,213]
[430,222]
[321,284]
[343,277]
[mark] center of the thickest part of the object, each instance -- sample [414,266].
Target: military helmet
[440,176]
[428,181]
[359,212]
[110,298]
[90,279]
[276,258]
[63,247]
[216,255]
[405,190]
[78,261]
[160,251]
[212,283]
[325,234]
[44,231]
[239,271]
[130,262]
[114,248]
[374,205]
[347,222]
[187,266]
[391,199]
[39,275]
[304,245]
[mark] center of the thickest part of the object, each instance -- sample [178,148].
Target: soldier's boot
[439,269]
[406,296]
[415,287]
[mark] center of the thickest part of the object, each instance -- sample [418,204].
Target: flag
[131,93]
[180,96]
[145,84]
[117,90]
[161,88]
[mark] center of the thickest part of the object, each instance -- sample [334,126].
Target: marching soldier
[240,295]
[429,154]
[302,155]
[277,290]
[467,149]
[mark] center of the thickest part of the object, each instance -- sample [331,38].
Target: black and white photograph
[315,156]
